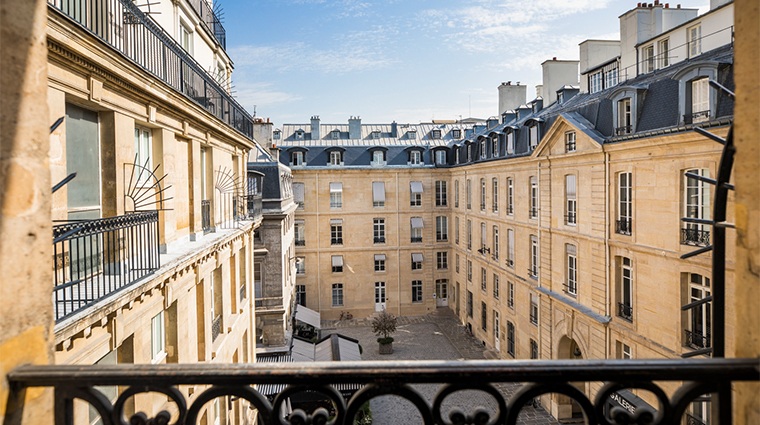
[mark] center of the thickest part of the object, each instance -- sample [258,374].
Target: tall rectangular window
[483,316]
[379,262]
[296,159]
[624,223]
[510,248]
[695,40]
[442,260]
[415,194]
[417,259]
[378,230]
[510,143]
[337,264]
[336,195]
[495,252]
[456,193]
[469,270]
[469,304]
[495,147]
[510,339]
[469,234]
[300,265]
[378,194]
[441,228]
[700,101]
[482,194]
[416,232]
[648,59]
[696,205]
[625,123]
[483,149]
[570,141]
[664,55]
[186,38]
[416,291]
[533,309]
[533,135]
[299,228]
[298,194]
[625,288]
[440,194]
[337,294]
[157,338]
[483,282]
[510,294]
[336,158]
[533,198]
[533,271]
[533,349]
[572,269]
[469,194]
[510,196]
[143,150]
[336,232]
[495,192]
[483,238]
[699,332]
[456,230]
[570,200]
[440,157]
[301,295]
[456,263]
[496,286]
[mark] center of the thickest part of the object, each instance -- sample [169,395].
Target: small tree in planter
[383,326]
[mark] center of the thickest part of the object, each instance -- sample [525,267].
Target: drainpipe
[398,248]
[607,250]
[319,251]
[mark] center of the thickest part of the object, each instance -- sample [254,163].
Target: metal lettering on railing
[696,237]
[275,383]
[625,311]
[95,258]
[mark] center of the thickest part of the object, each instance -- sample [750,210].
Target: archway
[563,407]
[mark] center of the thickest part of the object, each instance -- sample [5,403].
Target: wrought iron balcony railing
[696,237]
[210,20]
[379,240]
[624,227]
[124,27]
[570,218]
[216,327]
[625,311]
[623,130]
[510,210]
[95,258]
[696,117]
[697,340]
[441,237]
[300,242]
[253,207]
[416,239]
[206,216]
[336,241]
[398,378]
[692,420]
[242,292]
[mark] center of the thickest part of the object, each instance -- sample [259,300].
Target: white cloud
[260,95]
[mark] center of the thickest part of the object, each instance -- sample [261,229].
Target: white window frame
[694,36]
[510,196]
[158,337]
[510,142]
[441,228]
[378,230]
[648,59]
[495,147]
[482,194]
[378,191]
[496,289]
[510,248]
[571,200]
[336,195]
[533,136]
[336,158]
[571,256]
[469,234]
[380,263]
[625,199]
[697,199]
[534,256]
[495,243]
[483,149]
[469,193]
[296,159]
[495,191]
[144,152]
[337,294]
[664,51]
[533,198]
[417,291]
[440,157]
[415,157]
[378,157]
[511,294]
[570,145]
[483,279]
[300,265]
[456,193]
[442,260]
[441,195]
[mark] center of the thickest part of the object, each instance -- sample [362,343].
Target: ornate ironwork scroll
[142,189]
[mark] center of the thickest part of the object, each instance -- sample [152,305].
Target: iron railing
[692,420]
[123,26]
[336,241]
[533,212]
[96,258]
[206,216]
[441,236]
[210,20]
[624,227]
[570,289]
[570,218]
[697,340]
[510,210]
[623,130]
[242,292]
[379,240]
[625,311]
[300,242]
[696,117]
[416,239]
[537,378]
[216,327]
[696,237]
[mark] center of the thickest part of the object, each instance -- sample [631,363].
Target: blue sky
[408,61]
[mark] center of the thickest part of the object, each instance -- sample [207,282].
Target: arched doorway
[564,407]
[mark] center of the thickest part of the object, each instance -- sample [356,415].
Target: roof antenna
[470,103]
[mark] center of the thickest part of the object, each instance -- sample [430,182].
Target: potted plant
[383,326]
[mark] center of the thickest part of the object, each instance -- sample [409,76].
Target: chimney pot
[650,5]
[639,5]
[554,58]
[656,2]
[518,83]
[667,5]
[679,6]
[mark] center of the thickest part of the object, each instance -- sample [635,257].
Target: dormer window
[299,134]
[469,153]
[700,100]
[624,117]
[561,97]
[570,141]
[456,156]
[411,134]
[296,159]
[533,136]
[415,157]
[336,158]
[495,146]
[483,149]
[378,157]
[440,157]
[595,82]
[510,143]
[375,135]
[456,133]
[276,135]
[648,60]
[436,134]
[335,134]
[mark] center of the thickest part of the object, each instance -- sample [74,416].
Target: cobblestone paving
[436,336]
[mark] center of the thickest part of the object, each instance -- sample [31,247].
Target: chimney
[315,128]
[667,5]
[656,2]
[678,7]
[510,97]
[355,128]
[554,58]
[394,129]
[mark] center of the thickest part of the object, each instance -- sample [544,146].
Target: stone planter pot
[386,348]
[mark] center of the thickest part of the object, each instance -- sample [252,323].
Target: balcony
[95,258]
[254,206]
[533,273]
[695,237]
[206,216]
[300,242]
[624,227]
[625,311]
[696,117]
[336,241]
[623,130]
[138,37]
[697,340]
[379,240]
[416,239]
[570,219]
[210,21]
[533,212]
[398,378]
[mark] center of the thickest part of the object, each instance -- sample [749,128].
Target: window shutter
[378,191]
[416,187]
[336,187]
[298,192]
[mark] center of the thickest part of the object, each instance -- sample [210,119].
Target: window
[378,194]
[533,198]
[533,349]
[298,194]
[441,228]
[625,288]
[496,326]
[482,194]
[664,46]
[379,262]
[510,295]
[623,351]
[336,195]
[510,142]
[456,230]
[469,234]
[469,304]
[296,159]
[469,194]
[496,286]
[337,294]
[510,248]
[648,59]
[570,141]
[700,101]
[456,133]
[436,134]
[440,194]
[482,238]
[335,134]
[456,155]
[611,75]
[533,271]
[510,196]
[375,135]
[336,158]
[337,264]
[533,136]
[483,149]
[378,230]
[143,150]
[415,196]
[469,153]
[495,197]
[483,283]
[533,309]
[299,134]
[495,147]
[415,157]
[442,262]
[700,317]
[571,269]
[495,252]
[697,205]
[694,35]
[624,117]
[417,227]
[469,270]
[186,38]
[301,295]
[570,200]
[440,157]
[510,339]
[336,232]
[157,338]
[417,259]
[411,134]
[456,193]
[276,135]
[483,316]
[457,263]
[378,156]
[624,223]
[299,229]
[595,82]
[416,291]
